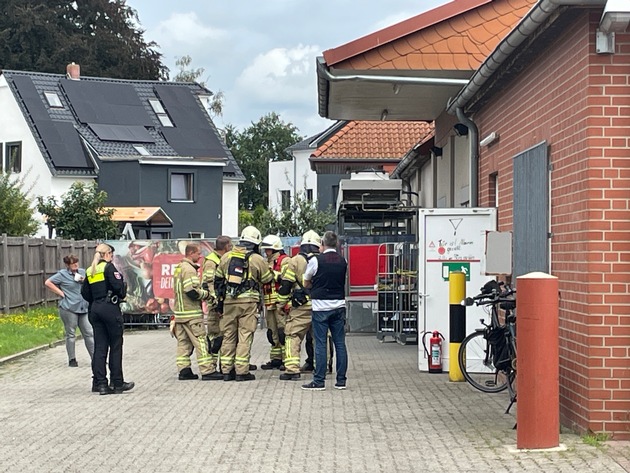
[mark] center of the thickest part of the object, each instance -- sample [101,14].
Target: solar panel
[129,133]
[31,97]
[182,106]
[62,142]
[106,103]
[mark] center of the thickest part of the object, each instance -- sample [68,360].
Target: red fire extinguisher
[434,354]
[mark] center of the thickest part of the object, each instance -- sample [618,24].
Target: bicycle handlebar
[490,295]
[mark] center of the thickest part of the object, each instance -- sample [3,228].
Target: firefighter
[104,288]
[222,245]
[272,246]
[189,329]
[238,282]
[294,300]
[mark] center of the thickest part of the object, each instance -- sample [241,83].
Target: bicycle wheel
[480,375]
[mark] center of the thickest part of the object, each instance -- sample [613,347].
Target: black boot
[245,377]
[231,376]
[124,387]
[272,365]
[187,373]
[104,389]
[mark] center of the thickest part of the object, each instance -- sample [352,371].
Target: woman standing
[104,288]
[66,283]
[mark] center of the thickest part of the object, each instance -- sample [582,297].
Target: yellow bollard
[457,322]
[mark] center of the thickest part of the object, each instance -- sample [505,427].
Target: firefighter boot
[245,377]
[272,365]
[231,376]
[187,373]
[216,376]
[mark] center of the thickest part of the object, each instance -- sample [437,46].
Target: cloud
[185,29]
[280,76]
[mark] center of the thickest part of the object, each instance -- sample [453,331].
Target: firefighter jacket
[103,283]
[255,273]
[210,264]
[270,290]
[188,291]
[292,282]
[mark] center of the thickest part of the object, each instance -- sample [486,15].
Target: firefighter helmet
[251,234]
[311,238]
[272,242]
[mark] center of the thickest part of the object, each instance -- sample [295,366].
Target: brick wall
[579,103]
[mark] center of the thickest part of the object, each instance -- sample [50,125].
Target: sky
[261,54]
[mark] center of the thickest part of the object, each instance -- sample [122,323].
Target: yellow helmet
[311,238]
[272,242]
[251,234]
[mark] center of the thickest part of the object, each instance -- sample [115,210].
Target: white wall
[38,179]
[229,209]
[294,176]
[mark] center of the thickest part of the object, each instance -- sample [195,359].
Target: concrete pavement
[391,418]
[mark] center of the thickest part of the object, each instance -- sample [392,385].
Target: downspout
[473,135]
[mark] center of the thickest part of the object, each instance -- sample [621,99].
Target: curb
[30,351]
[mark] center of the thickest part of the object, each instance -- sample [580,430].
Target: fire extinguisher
[434,354]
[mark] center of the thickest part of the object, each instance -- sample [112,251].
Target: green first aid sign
[452,266]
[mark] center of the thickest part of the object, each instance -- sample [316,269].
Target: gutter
[474,154]
[528,25]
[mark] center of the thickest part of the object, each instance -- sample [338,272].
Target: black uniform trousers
[107,322]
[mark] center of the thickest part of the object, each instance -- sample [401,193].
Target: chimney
[73,71]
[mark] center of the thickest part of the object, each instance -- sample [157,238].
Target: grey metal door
[531,211]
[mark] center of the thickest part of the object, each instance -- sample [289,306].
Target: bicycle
[487,357]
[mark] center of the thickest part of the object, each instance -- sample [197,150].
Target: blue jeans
[335,321]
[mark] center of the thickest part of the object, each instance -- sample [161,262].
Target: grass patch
[22,331]
[595,440]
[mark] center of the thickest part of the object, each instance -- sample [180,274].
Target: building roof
[409,70]
[367,144]
[112,118]
[143,215]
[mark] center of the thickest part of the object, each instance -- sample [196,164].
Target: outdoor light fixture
[460,129]
[436,150]
[384,114]
[616,16]
[615,19]
[488,140]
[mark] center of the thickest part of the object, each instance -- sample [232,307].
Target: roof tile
[370,140]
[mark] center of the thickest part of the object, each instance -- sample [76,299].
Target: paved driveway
[392,418]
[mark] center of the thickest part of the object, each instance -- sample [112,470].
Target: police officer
[238,281]
[272,246]
[189,329]
[104,288]
[222,245]
[294,300]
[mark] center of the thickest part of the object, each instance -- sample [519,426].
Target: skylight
[142,150]
[53,99]
[157,107]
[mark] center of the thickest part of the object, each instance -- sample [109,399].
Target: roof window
[142,150]
[53,99]
[157,107]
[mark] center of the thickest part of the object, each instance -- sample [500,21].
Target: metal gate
[397,292]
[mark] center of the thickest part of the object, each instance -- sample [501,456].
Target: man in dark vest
[325,275]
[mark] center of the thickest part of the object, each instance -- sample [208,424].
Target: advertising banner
[147,267]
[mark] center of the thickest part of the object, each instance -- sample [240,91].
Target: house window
[53,99]
[12,158]
[157,235]
[181,187]
[142,150]
[157,107]
[309,195]
[285,200]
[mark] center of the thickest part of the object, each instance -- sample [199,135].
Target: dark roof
[113,115]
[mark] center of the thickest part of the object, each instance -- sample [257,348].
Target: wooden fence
[25,263]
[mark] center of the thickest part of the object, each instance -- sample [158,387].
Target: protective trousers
[108,325]
[275,333]
[191,335]
[238,325]
[297,324]
[214,334]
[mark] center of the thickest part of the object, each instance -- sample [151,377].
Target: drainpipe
[473,135]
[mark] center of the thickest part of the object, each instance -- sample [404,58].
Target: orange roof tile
[369,140]
[456,36]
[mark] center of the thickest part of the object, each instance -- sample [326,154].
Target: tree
[192,75]
[16,215]
[81,215]
[254,148]
[103,36]
[295,221]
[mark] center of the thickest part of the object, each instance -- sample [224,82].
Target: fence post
[25,271]
[5,274]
